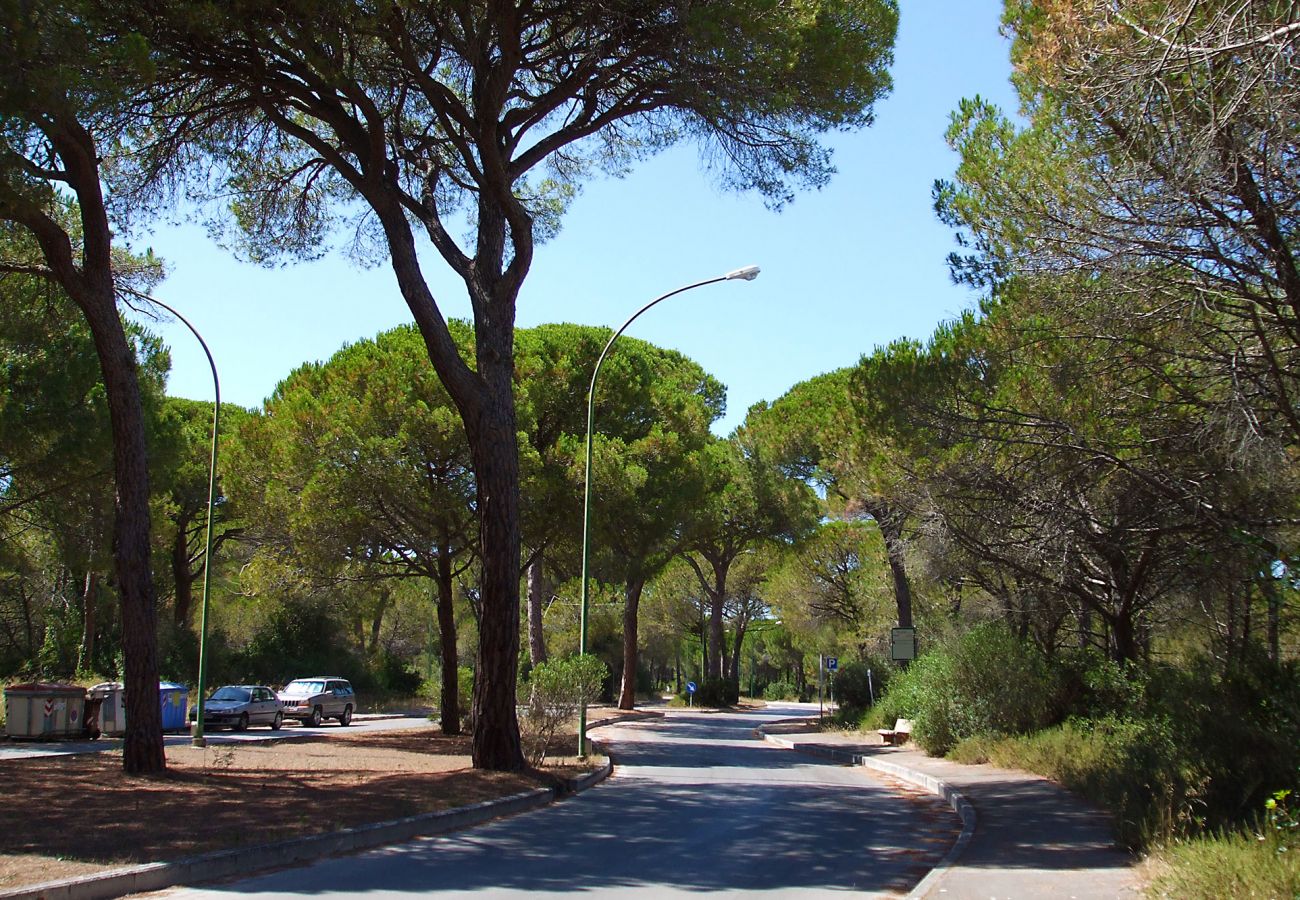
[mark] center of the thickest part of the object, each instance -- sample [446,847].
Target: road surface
[697,804]
[23,749]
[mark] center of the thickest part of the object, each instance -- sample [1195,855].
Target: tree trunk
[892,533]
[89,600]
[377,622]
[627,693]
[539,591]
[735,655]
[717,635]
[1274,617]
[485,400]
[449,696]
[182,576]
[1123,638]
[493,443]
[88,280]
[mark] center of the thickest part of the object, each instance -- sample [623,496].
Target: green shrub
[557,689]
[987,681]
[855,692]
[715,693]
[780,690]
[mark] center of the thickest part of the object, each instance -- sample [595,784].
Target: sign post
[902,643]
[690,694]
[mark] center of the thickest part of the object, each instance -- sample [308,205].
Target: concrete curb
[960,805]
[248,860]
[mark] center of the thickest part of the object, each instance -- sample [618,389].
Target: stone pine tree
[483,117]
[62,108]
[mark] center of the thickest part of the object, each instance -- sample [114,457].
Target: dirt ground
[71,815]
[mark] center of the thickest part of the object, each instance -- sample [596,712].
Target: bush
[557,689]
[780,690]
[988,681]
[715,693]
[855,692]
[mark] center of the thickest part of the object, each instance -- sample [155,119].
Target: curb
[249,860]
[954,798]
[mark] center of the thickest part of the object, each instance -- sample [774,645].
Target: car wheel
[242,724]
[316,717]
[277,722]
[346,719]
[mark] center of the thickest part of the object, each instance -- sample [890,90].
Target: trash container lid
[171,686]
[107,687]
[45,687]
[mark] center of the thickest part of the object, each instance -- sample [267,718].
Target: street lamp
[748,273]
[196,736]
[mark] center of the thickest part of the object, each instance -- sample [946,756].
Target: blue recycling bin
[174,699]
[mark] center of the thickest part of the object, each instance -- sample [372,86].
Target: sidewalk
[1024,836]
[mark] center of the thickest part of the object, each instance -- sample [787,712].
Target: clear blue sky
[845,269]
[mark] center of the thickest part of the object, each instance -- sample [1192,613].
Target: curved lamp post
[196,735]
[748,273]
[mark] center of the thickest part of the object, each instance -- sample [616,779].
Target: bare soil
[65,816]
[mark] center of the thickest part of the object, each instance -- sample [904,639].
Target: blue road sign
[832,663]
[690,687]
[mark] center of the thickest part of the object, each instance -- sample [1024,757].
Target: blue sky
[847,268]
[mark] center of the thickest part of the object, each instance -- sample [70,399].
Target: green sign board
[902,643]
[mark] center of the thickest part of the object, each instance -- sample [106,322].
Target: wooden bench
[899,734]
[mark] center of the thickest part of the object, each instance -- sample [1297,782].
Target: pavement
[1023,836]
[24,748]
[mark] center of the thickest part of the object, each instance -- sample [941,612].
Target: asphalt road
[697,804]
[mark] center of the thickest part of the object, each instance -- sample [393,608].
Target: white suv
[313,700]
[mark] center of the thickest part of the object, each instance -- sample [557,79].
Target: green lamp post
[748,273]
[196,734]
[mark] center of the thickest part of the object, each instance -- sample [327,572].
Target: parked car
[312,700]
[241,705]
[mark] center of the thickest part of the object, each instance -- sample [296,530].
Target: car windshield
[230,693]
[305,687]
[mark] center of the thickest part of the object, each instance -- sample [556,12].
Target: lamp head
[749,273]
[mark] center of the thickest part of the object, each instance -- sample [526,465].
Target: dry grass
[71,815]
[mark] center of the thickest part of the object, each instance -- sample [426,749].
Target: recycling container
[173,698]
[44,710]
[112,707]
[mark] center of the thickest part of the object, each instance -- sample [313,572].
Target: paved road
[697,804]
[30,749]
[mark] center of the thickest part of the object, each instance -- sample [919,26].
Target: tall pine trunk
[493,443]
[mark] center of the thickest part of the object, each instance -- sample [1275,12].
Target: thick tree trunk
[539,591]
[449,696]
[142,749]
[88,279]
[485,400]
[627,691]
[493,443]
